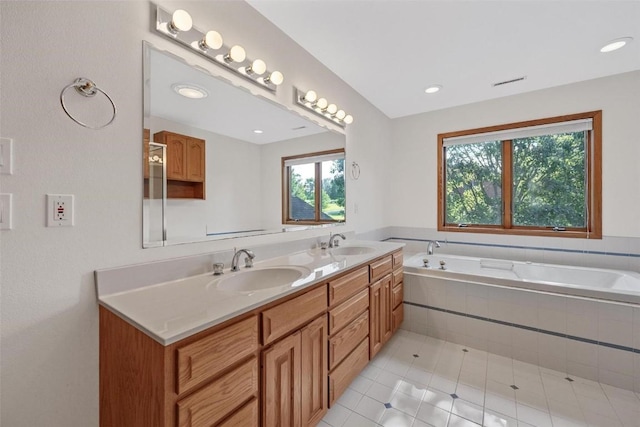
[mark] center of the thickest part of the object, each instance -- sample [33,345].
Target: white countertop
[171,311]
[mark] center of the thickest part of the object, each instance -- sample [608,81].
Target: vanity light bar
[178,26]
[322,108]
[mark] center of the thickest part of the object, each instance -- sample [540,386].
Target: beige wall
[415,146]
[49,336]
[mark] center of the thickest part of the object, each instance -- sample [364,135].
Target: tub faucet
[333,239]
[430,245]
[248,261]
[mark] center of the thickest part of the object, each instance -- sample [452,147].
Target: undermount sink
[352,250]
[262,278]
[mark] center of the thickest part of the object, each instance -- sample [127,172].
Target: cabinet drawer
[398,277]
[347,285]
[397,260]
[350,367]
[346,340]
[245,416]
[398,316]
[397,295]
[380,268]
[210,355]
[220,398]
[289,315]
[340,316]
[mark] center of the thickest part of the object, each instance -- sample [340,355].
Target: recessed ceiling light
[616,44]
[257,131]
[189,90]
[433,89]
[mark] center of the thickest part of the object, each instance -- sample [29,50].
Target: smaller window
[313,188]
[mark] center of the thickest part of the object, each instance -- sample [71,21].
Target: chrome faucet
[248,261]
[430,245]
[333,239]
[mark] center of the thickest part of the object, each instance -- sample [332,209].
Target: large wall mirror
[213,155]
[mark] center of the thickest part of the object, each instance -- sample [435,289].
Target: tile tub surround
[595,339]
[172,310]
[422,381]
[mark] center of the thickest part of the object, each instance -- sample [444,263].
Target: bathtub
[584,322]
[613,285]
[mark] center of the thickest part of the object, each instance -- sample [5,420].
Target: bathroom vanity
[243,355]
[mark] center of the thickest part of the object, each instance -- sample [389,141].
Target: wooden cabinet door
[386,312]
[281,383]
[397,317]
[375,331]
[314,371]
[195,160]
[176,149]
[380,321]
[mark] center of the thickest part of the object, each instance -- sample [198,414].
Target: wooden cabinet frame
[284,381]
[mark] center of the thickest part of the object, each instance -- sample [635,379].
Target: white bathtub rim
[631,298]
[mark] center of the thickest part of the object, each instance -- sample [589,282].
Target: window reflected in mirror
[314,190]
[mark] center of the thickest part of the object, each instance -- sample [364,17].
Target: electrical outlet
[59,210]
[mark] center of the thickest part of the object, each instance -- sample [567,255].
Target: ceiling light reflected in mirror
[189,90]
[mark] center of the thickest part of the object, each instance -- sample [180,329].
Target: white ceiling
[391,50]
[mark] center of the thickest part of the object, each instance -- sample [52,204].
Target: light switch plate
[6,211]
[6,156]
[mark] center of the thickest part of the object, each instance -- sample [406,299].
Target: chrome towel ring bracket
[89,89]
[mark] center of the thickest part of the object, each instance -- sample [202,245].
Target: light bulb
[180,21]
[211,40]
[257,67]
[310,96]
[236,54]
[322,103]
[276,78]
[332,108]
[348,119]
[340,114]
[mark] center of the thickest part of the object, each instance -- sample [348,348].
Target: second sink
[262,278]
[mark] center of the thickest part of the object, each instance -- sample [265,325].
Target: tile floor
[419,381]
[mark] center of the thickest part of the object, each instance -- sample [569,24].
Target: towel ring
[87,88]
[355,171]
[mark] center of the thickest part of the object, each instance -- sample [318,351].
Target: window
[313,187]
[541,177]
